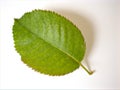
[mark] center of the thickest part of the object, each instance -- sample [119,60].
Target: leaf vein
[48,42]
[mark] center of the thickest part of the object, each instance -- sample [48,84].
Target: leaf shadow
[85,26]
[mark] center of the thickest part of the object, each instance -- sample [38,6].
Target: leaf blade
[57,38]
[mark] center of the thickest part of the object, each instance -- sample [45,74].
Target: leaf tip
[15,19]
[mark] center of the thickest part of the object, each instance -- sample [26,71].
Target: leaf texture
[48,42]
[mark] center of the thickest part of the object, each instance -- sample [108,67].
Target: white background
[98,20]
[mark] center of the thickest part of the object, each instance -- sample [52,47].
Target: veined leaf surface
[48,42]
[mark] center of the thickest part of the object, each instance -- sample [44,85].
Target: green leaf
[48,42]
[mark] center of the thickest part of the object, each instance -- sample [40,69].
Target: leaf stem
[89,72]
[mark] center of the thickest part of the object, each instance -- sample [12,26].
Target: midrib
[48,42]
